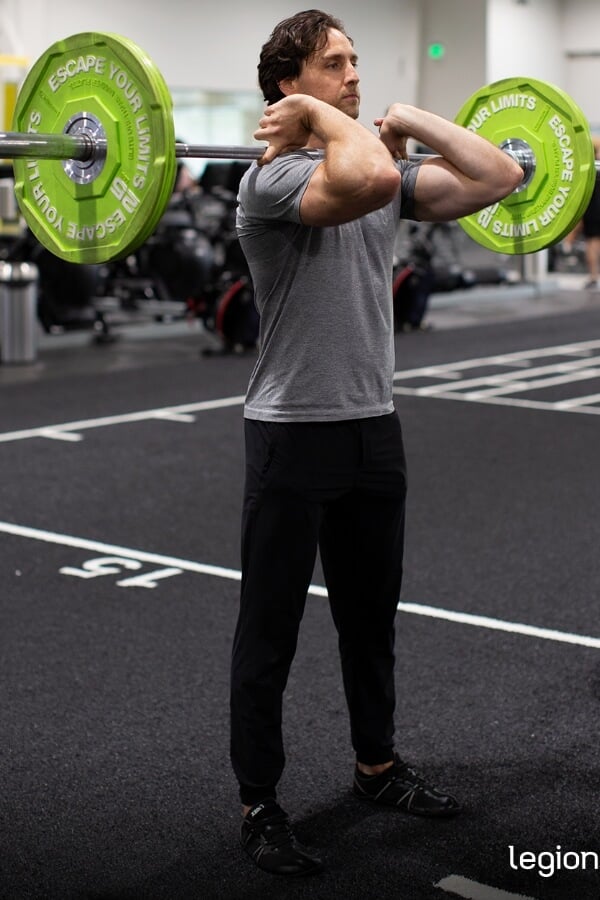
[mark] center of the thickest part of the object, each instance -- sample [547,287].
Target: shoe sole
[303,873]
[427,814]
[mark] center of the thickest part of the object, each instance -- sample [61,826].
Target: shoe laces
[276,830]
[405,772]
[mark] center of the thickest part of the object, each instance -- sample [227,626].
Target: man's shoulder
[293,162]
[274,191]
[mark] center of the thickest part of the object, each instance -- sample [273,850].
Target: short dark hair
[292,42]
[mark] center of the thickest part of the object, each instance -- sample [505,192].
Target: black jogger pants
[339,487]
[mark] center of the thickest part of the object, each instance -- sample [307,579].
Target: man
[590,225]
[325,463]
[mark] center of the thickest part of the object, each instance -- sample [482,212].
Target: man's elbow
[384,186]
[366,192]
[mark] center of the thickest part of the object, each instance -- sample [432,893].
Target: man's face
[330,75]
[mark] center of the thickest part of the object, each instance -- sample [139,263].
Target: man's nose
[352,74]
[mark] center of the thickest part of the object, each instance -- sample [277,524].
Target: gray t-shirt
[324,295]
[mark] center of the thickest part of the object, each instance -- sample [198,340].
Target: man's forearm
[356,162]
[474,156]
[469,173]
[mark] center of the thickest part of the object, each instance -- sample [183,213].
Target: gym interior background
[120,491]
[195,45]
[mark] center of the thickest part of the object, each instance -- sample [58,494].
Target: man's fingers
[401,149]
[269,154]
[396,143]
[271,151]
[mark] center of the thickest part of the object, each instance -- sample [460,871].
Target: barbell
[94,153]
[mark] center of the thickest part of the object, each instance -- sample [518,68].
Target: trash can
[18,312]
[9,211]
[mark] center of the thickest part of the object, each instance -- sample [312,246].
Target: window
[215,118]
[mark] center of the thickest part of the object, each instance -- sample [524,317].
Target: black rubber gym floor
[120,498]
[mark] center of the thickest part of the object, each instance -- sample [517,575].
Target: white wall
[581,39]
[216,46]
[459,25]
[557,41]
[525,38]
[554,40]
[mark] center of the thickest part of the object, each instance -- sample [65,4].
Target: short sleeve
[274,191]
[409,171]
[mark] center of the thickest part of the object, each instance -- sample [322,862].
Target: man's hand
[356,174]
[465,173]
[393,132]
[285,125]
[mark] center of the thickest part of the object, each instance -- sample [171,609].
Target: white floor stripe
[539,384]
[65,540]
[504,401]
[316,590]
[454,386]
[64,431]
[504,359]
[573,370]
[499,625]
[56,435]
[464,887]
[577,401]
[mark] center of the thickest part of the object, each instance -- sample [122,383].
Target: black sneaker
[268,838]
[401,786]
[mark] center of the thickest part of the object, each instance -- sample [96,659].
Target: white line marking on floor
[507,401]
[316,590]
[569,371]
[65,431]
[452,384]
[548,634]
[54,434]
[169,415]
[577,401]
[538,384]
[65,540]
[504,359]
[464,887]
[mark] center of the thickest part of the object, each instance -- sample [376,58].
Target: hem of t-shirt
[333,415]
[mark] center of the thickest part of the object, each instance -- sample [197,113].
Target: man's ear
[287,86]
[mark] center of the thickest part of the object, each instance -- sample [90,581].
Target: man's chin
[351,108]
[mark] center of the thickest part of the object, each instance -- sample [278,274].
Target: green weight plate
[169,180]
[110,79]
[553,126]
[164,188]
[166,102]
[167,105]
